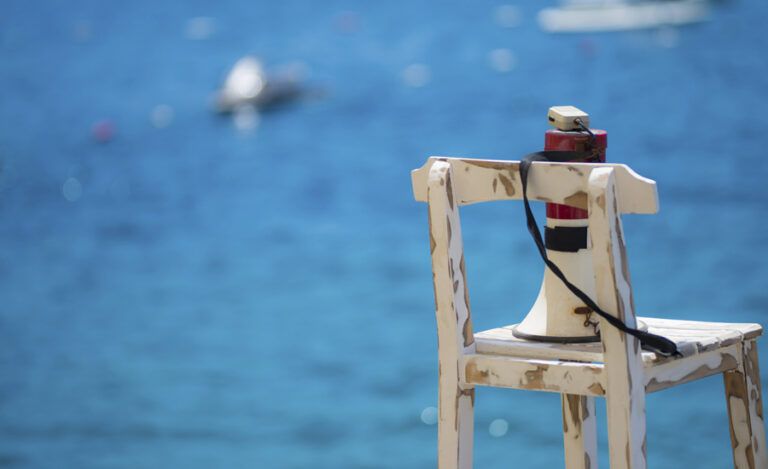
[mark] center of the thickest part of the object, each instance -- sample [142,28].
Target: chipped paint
[638,194]
[578,200]
[535,378]
[597,389]
[475,375]
[469,337]
[464,367]
[490,164]
[579,431]
[600,201]
[674,372]
[509,188]
[701,372]
[623,363]
[745,412]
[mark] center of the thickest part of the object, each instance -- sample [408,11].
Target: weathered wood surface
[615,368]
[691,337]
[454,323]
[748,330]
[658,375]
[625,389]
[564,183]
[745,410]
[663,375]
[535,375]
[579,431]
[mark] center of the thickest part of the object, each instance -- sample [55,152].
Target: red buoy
[103,131]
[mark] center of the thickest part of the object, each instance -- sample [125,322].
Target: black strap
[652,342]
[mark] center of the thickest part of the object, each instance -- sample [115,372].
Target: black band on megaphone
[565,238]
[652,342]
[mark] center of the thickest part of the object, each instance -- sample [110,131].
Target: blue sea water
[208,297]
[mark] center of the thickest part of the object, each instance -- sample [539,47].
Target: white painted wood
[579,431]
[755,393]
[675,371]
[535,375]
[563,183]
[659,374]
[557,312]
[500,341]
[745,410]
[749,330]
[691,337]
[625,390]
[454,323]
[615,368]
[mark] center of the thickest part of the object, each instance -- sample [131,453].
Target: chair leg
[579,431]
[626,429]
[456,417]
[745,411]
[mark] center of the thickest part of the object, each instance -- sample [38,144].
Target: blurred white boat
[607,15]
[248,85]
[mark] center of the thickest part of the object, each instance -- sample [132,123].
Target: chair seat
[707,348]
[691,337]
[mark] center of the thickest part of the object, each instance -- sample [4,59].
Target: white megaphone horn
[557,314]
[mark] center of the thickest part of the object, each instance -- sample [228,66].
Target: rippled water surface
[195,294]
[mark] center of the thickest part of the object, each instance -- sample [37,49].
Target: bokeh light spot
[161,116]
[246,118]
[429,415]
[502,60]
[347,22]
[507,16]
[82,31]
[416,75]
[498,428]
[72,189]
[200,28]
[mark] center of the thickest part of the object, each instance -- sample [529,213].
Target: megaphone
[557,314]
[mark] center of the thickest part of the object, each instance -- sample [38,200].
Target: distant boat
[614,15]
[247,84]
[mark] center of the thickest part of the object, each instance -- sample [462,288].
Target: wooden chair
[617,368]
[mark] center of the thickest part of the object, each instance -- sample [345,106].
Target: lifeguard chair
[616,367]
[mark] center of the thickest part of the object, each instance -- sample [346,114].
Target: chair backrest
[605,190]
[478,180]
